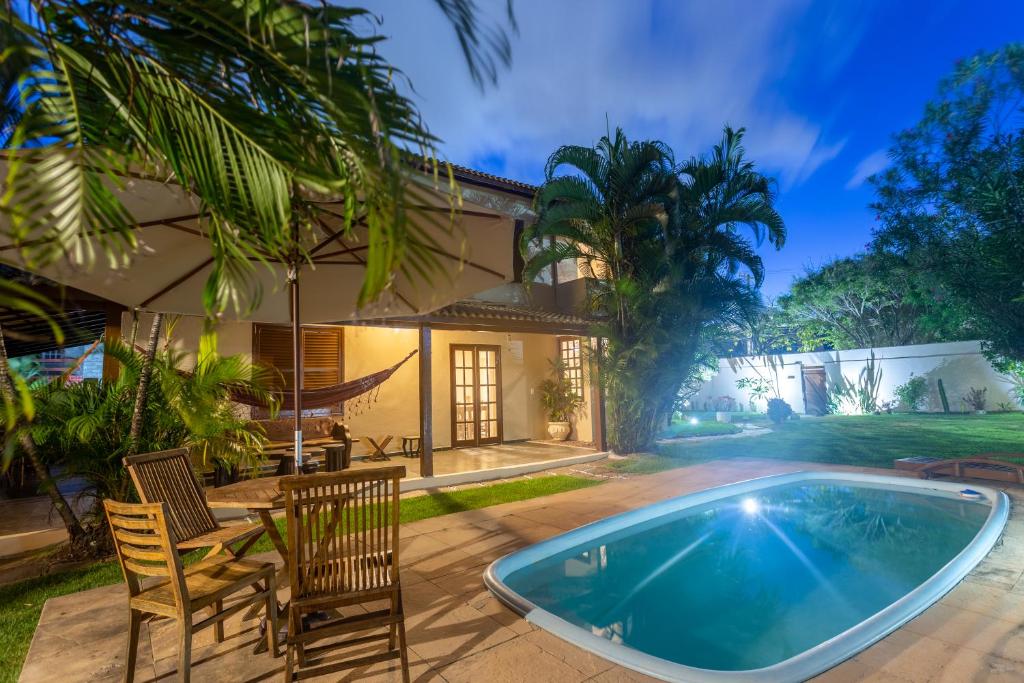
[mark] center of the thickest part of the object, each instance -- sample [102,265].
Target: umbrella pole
[293,283]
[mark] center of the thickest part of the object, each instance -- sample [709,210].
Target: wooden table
[261,496]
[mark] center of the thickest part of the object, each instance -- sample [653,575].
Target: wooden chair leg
[289,647]
[403,650]
[131,655]
[218,626]
[185,648]
[393,629]
[272,616]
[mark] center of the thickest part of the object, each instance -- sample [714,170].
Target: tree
[867,301]
[259,108]
[952,202]
[663,245]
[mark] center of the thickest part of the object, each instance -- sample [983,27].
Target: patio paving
[455,460]
[458,632]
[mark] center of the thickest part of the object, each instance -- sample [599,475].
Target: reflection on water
[750,581]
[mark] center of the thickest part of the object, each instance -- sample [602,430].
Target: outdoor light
[694,421]
[750,506]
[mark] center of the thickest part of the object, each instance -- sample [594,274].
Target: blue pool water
[748,581]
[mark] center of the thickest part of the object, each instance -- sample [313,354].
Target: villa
[646,394]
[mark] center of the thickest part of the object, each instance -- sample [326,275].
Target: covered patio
[451,461]
[459,632]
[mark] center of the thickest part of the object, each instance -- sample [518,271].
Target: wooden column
[112,331]
[426,405]
[597,412]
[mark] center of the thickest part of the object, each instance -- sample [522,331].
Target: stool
[410,446]
[339,457]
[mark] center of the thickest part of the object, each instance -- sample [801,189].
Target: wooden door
[476,394]
[815,391]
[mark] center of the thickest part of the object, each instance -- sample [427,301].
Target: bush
[913,394]
[778,410]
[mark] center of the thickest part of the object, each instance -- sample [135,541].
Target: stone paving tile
[993,602]
[587,663]
[458,631]
[512,662]
[991,572]
[976,631]
[485,603]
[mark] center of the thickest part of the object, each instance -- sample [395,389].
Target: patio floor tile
[458,631]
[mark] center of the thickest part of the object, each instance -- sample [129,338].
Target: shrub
[778,410]
[976,398]
[913,394]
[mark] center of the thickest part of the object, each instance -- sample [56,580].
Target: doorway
[815,391]
[476,394]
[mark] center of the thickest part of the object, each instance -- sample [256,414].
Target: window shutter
[321,354]
[273,349]
[321,357]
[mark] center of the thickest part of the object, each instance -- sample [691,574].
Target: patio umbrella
[173,261]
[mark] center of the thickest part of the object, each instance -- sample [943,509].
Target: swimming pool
[773,579]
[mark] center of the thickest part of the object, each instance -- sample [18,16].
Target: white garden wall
[960,366]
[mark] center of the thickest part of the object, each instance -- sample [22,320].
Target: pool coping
[807,664]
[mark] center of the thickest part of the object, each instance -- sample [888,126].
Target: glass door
[476,394]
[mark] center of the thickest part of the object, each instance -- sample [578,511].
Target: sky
[819,86]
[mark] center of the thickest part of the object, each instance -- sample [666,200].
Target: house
[479,360]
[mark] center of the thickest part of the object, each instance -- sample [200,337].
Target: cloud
[674,71]
[868,166]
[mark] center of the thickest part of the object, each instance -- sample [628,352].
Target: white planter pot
[559,431]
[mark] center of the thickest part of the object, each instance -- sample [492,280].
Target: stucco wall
[960,366]
[394,409]
[233,338]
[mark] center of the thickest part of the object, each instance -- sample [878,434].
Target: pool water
[750,580]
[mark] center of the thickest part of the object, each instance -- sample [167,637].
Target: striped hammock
[326,396]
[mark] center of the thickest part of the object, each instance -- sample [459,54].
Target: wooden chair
[168,477]
[146,547]
[342,552]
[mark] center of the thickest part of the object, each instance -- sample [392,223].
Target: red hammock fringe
[326,396]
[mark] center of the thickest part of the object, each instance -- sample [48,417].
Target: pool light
[750,506]
[694,421]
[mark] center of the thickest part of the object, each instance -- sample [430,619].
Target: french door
[476,394]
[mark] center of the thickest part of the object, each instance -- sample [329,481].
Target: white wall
[960,366]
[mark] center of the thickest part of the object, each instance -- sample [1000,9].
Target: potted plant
[560,403]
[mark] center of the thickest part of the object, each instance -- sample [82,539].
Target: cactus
[942,397]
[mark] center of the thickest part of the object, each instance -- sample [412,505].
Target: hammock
[325,396]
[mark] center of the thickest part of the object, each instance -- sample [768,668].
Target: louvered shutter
[321,357]
[321,354]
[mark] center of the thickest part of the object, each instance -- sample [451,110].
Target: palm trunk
[144,378]
[67,515]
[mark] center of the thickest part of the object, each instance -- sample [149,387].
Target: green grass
[21,603]
[869,440]
[683,429]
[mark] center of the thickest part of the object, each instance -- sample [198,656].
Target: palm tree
[663,242]
[259,108]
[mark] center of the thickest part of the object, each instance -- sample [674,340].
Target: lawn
[21,603]
[681,429]
[868,440]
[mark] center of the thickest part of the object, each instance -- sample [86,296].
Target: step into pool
[773,579]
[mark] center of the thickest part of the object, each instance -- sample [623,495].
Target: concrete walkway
[458,632]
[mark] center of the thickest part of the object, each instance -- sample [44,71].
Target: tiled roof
[465,173]
[497,313]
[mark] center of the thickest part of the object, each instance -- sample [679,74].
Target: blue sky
[820,87]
